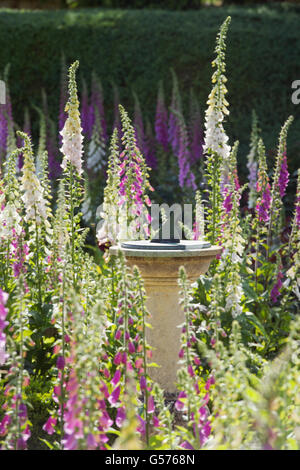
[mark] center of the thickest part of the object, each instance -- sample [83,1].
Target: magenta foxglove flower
[151,405]
[49,426]
[190,181]
[143,383]
[205,433]
[186,445]
[191,370]
[57,390]
[131,347]
[139,363]
[203,413]
[102,404]
[22,413]
[91,442]
[210,381]
[227,202]
[4,424]
[118,334]
[104,390]
[124,358]
[116,378]
[206,399]
[22,441]
[118,358]
[20,252]
[197,361]
[21,444]
[114,397]
[179,405]
[204,427]
[173,132]
[155,421]
[275,292]
[263,205]
[105,421]
[142,426]
[283,176]
[70,443]
[60,363]
[121,416]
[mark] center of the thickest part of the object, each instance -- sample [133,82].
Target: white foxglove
[34,202]
[72,139]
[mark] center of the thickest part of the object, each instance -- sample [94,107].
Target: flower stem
[145,364]
[62,377]
[37,253]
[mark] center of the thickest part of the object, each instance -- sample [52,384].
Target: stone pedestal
[159,269]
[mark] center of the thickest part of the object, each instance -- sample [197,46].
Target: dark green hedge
[166,4]
[133,4]
[136,49]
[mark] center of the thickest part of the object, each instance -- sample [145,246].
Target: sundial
[161,242]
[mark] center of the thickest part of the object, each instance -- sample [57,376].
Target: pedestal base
[159,269]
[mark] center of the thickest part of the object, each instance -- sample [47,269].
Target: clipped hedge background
[136,48]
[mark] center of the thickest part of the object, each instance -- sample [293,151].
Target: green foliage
[135,49]
[40,392]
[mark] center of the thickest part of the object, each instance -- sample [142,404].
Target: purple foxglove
[283,176]
[161,120]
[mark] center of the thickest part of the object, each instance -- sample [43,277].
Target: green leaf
[48,444]
[182,429]
[292,444]
[26,334]
[253,395]
[49,340]
[156,443]
[254,321]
